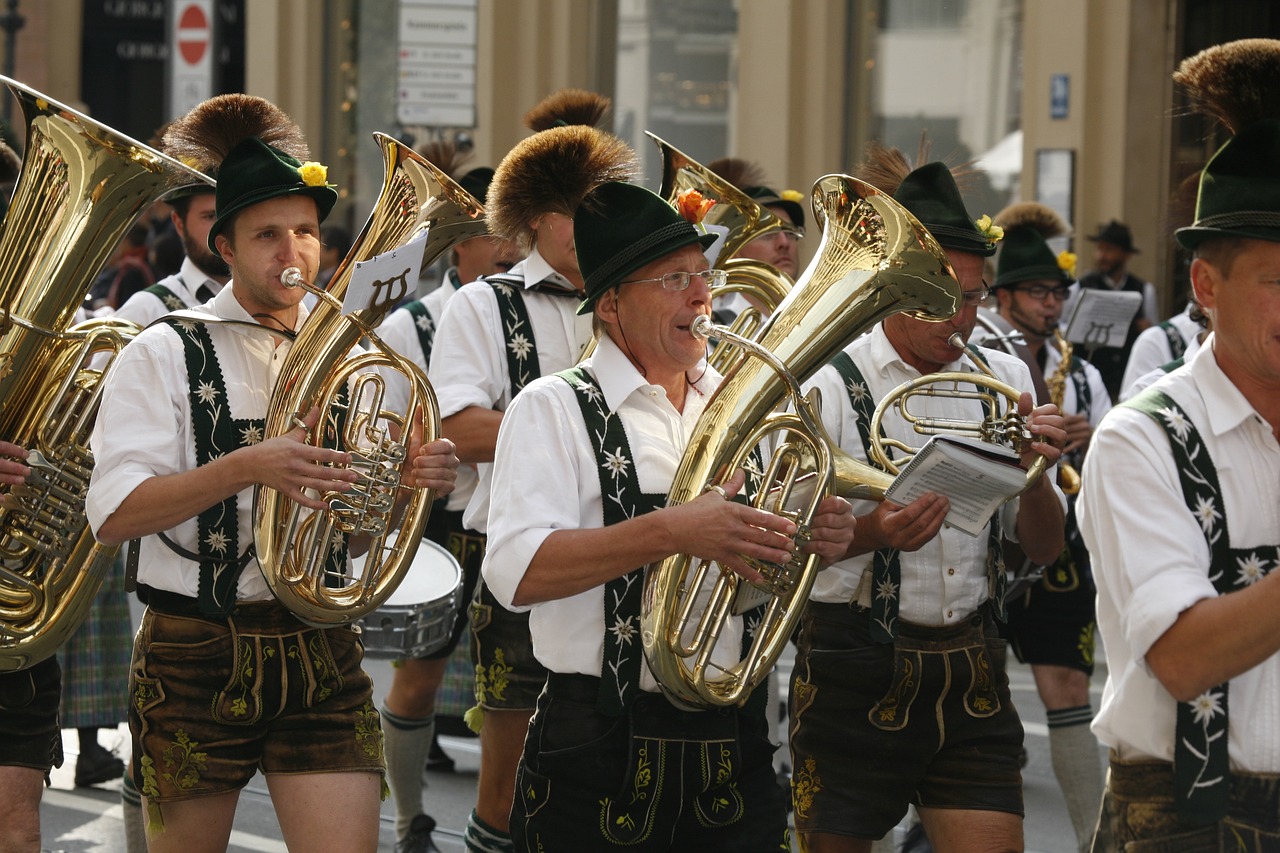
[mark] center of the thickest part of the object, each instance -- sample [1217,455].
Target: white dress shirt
[1151,561]
[1151,352]
[469,359]
[548,480]
[144,430]
[400,332]
[945,581]
[145,308]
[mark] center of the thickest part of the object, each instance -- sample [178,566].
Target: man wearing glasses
[1052,621]
[899,694]
[583,464]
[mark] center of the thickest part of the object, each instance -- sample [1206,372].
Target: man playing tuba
[905,623]
[583,465]
[225,680]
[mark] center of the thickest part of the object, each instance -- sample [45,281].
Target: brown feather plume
[445,156]
[1237,83]
[885,168]
[1032,214]
[205,136]
[551,172]
[739,172]
[10,164]
[567,106]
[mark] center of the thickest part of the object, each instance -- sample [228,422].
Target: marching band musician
[408,713]
[1179,509]
[496,336]
[577,512]
[779,249]
[225,680]
[899,693]
[30,737]
[1051,623]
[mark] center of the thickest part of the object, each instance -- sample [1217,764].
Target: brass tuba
[293,543]
[82,185]
[875,259]
[744,220]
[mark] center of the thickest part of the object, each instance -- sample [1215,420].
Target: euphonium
[294,543]
[875,259]
[744,220]
[1068,476]
[82,185]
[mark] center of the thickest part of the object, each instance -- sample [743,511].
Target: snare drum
[417,618]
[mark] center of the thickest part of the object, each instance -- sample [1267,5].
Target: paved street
[87,820]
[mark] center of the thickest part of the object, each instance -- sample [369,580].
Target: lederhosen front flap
[886,563]
[1201,764]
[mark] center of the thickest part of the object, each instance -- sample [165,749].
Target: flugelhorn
[295,545]
[81,186]
[875,259]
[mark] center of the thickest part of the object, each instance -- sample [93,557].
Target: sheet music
[975,482]
[386,279]
[1101,318]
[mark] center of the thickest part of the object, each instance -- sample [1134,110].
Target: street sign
[437,63]
[190,54]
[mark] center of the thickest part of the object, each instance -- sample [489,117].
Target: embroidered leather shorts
[876,726]
[1053,620]
[1139,812]
[508,676]
[29,733]
[653,778]
[212,701]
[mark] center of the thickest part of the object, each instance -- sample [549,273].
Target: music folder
[975,476]
[1101,318]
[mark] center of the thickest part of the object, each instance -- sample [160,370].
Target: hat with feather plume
[553,170]
[253,149]
[1238,83]
[1024,252]
[931,192]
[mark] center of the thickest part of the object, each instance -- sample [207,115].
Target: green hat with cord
[620,228]
[255,172]
[931,194]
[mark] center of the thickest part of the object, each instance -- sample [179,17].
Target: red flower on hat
[692,206]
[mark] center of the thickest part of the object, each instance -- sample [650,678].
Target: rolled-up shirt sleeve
[541,482]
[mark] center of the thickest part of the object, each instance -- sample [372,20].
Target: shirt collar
[619,379]
[193,277]
[535,270]
[884,356]
[1226,407]
[226,306]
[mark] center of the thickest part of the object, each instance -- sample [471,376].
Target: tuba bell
[875,259]
[420,206]
[81,186]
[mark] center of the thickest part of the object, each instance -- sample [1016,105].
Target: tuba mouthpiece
[292,277]
[701,326]
[955,340]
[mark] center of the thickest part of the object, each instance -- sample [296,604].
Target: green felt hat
[255,172]
[1240,189]
[619,228]
[1025,256]
[931,194]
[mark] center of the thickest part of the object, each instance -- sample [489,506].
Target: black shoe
[97,765]
[419,838]
[915,841]
[438,761]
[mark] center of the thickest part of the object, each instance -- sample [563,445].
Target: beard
[206,261]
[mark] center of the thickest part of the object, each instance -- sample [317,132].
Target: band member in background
[225,680]
[408,713]
[914,595]
[30,737]
[495,337]
[1179,506]
[608,760]
[1113,249]
[780,249]
[1051,621]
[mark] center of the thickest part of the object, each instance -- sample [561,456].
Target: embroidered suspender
[425,326]
[886,564]
[216,434]
[1177,346]
[1201,764]
[517,331]
[170,299]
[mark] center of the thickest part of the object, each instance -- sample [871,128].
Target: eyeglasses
[974,298]
[1040,291]
[680,280]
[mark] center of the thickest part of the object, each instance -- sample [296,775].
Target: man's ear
[224,248]
[1205,280]
[607,306]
